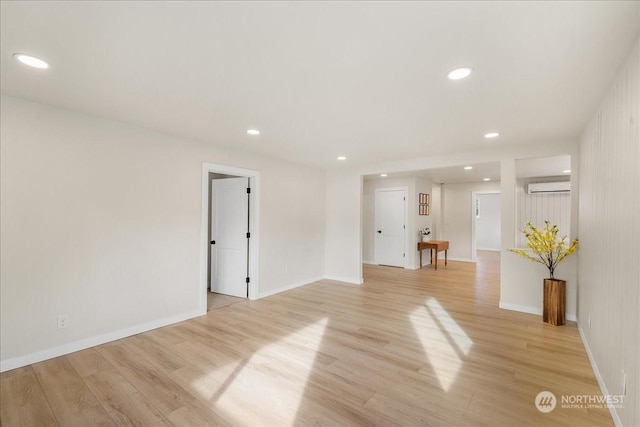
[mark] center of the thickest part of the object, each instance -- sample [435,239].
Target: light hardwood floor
[407,348]
[216,301]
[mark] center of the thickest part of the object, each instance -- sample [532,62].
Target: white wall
[344,221]
[102,221]
[457,209]
[537,208]
[436,211]
[609,254]
[425,186]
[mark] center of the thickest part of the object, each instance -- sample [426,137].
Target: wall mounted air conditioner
[549,187]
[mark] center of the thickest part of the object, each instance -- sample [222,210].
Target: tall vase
[553,306]
[426,238]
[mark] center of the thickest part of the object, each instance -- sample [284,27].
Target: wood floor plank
[123,402]
[71,400]
[157,387]
[88,362]
[408,347]
[23,400]
[154,350]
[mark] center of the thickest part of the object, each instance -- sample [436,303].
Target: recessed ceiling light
[31,61]
[459,73]
[253,132]
[491,135]
[487,179]
[566,171]
[383,174]
[342,158]
[468,168]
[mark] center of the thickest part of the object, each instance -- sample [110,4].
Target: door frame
[474,195]
[254,221]
[406,221]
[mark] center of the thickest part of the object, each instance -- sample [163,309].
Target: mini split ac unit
[549,187]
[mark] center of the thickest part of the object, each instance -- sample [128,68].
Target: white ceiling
[535,167]
[450,175]
[543,167]
[322,79]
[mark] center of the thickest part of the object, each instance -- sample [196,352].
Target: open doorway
[229,234]
[230,231]
[486,222]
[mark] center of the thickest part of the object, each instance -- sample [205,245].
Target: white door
[390,226]
[488,222]
[229,227]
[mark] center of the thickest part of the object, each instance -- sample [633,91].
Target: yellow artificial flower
[545,244]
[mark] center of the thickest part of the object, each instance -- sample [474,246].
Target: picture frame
[424,204]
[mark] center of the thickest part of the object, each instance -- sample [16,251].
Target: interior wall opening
[230,218]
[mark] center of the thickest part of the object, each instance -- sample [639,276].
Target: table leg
[445,256]
[420,257]
[436,263]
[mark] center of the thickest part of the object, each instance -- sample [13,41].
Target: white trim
[288,287]
[254,215]
[353,281]
[369,262]
[474,196]
[603,387]
[520,308]
[531,310]
[50,353]
[426,261]
[441,258]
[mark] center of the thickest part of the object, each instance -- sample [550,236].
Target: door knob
[379,231]
[213,242]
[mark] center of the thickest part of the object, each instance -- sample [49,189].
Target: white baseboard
[352,280]
[596,371]
[455,259]
[520,308]
[406,267]
[287,287]
[39,356]
[426,262]
[531,310]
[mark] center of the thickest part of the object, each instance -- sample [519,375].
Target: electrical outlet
[63,321]
[624,382]
[589,320]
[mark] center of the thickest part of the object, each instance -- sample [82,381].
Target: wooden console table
[438,245]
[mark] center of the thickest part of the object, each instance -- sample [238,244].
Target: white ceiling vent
[549,187]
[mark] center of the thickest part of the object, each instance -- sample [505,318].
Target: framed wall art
[423,204]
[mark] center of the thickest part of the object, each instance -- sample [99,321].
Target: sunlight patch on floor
[253,391]
[444,342]
[453,330]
